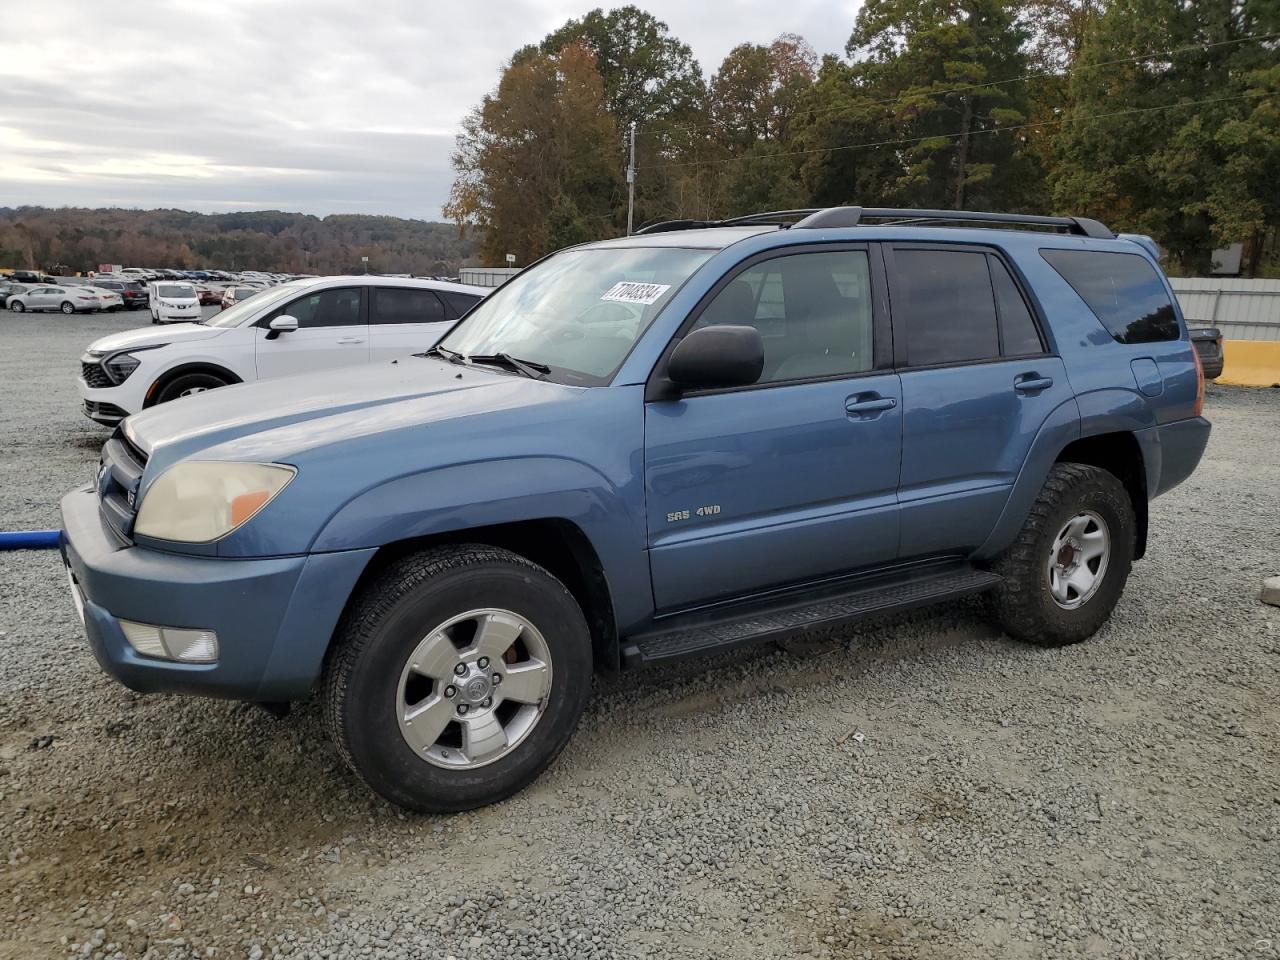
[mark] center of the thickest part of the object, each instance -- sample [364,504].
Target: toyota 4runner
[699,436]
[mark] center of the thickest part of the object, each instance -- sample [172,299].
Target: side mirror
[281,324]
[717,356]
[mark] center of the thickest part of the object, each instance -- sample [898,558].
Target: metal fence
[487,276]
[1241,309]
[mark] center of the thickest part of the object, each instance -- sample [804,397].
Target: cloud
[321,106]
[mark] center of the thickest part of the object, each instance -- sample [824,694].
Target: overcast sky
[320,106]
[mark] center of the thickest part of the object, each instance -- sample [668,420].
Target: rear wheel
[1065,572]
[457,677]
[67,307]
[189,384]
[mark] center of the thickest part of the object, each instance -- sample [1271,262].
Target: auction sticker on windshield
[629,291]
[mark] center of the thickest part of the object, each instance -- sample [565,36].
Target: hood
[151,336]
[283,418]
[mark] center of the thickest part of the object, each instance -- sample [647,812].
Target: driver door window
[813,311]
[332,332]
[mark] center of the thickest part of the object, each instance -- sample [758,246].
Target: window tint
[1122,290]
[327,308]
[950,313]
[813,311]
[405,306]
[1017,327]
[459,303]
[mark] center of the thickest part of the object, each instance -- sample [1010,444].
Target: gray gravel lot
[921,788]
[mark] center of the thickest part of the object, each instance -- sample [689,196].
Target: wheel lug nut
[460,669]
[450,691]
[488,702]
[462,708]
[497,679]
[483,662]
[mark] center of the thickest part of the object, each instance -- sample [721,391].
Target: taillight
[1195,355]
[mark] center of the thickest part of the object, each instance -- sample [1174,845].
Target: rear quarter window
[1122,289]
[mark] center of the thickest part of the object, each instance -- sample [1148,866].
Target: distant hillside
[80,239]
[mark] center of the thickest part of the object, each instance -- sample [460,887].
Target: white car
[297,327]
[107,299]
[67,299]
[174,301]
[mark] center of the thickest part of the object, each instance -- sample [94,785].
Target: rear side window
[946,299]
[459,303]
[405,306]
[1017,328]
[1122,289]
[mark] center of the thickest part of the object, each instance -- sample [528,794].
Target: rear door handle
[352,340]
[1033,384]
[868,406]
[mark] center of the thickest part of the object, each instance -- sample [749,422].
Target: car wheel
[456,677]
[67,307]
[17,307]
[189,384]
[1066,570]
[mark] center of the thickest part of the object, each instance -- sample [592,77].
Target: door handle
[868,406]
[352,340]
[1032,384]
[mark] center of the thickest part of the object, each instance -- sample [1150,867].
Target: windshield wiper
[445,354]
[530,368]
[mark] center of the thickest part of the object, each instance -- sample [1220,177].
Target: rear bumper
[1181,445]
[273,616]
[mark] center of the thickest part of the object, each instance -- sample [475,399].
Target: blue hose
[29,540]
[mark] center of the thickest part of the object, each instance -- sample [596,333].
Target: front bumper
[273,616]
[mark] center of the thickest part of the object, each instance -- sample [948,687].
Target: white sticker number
[629,291]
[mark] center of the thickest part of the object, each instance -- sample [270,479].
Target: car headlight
[198,501]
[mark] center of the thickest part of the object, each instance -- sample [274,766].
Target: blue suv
[696,437]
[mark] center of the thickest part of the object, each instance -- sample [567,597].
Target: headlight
[202,500]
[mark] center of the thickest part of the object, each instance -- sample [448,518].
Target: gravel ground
[921,788]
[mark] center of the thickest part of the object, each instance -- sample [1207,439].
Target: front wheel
[457,677]
[68,307]
[189,384]
[17,307]
[1065,572]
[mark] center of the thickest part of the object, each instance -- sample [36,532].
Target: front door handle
[1032,384]
[352,340]
[868,406]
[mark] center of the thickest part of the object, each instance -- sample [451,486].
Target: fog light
[171,643]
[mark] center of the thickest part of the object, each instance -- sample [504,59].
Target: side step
[778,617]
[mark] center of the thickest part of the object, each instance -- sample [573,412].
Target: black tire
[17,307]
[384,625]
[186,383]
[1024,603]
[67,307]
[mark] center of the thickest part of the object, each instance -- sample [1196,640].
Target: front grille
[103,411]
[94,376]
[118,478]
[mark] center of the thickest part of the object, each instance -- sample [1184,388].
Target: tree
[948,75]
[1177,146]
[539,165]
[757,90]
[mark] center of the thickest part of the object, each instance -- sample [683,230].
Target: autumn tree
[539,161]
[1181,141]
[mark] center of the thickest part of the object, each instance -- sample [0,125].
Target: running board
[777,618]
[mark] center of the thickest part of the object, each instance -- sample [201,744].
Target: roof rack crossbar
[853,216]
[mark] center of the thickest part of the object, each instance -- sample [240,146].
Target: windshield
[244,309]
[579,312]
[175,291]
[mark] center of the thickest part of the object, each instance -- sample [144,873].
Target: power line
[836,110]
[972,133]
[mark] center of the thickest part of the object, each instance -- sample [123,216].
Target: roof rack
[832,217]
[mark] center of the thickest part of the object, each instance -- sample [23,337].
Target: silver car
[108,299]
[67,299]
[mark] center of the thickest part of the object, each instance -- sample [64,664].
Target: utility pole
[631,181]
